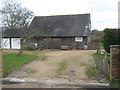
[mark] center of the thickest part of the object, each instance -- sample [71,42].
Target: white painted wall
[5,43]
[15,42]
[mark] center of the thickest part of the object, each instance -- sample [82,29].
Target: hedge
[111,37]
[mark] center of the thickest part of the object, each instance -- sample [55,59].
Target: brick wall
[115,62]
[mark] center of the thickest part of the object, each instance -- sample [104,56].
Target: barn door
[52,43]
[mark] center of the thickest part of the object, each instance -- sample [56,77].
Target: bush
[111,37]
[29,48]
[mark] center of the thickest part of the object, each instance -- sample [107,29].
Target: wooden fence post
[115,62]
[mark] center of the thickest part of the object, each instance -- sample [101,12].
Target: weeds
[62,66]
[90,71]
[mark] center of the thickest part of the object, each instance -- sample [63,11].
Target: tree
[111,37]
[96,36]
[15,16]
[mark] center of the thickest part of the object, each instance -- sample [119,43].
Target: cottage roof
[61,25]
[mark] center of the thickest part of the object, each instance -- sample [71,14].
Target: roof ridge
[64,15]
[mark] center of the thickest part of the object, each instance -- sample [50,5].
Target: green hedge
[111,37]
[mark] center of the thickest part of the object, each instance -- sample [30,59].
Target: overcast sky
[104,13]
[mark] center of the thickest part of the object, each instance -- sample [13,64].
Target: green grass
[12,61]
[62,66]
[90,71]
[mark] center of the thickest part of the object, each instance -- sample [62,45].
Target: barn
[54,32]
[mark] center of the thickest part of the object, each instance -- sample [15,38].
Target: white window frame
[78,39]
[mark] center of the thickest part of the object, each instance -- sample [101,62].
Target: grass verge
[12,61]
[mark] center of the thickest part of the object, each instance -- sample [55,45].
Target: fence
[103,65]
[110,69]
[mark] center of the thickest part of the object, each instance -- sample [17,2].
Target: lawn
[12,61]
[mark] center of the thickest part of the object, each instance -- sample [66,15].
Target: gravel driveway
[57,66]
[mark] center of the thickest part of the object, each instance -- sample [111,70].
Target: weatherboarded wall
[55,43]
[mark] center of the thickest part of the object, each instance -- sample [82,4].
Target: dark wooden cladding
[57,43]
[50,43]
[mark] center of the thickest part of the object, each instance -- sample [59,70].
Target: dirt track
[63,66]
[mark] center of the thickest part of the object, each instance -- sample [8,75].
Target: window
[6,43]
[15,43]
[78,39]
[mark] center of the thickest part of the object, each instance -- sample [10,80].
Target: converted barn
[62,31]
[53,32]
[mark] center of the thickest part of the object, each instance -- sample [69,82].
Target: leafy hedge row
[111,37]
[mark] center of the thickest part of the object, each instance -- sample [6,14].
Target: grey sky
[104,13]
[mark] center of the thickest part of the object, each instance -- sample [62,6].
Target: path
[58,66]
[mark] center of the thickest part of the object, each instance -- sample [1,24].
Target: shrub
[29,48]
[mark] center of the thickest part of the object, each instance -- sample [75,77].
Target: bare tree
[15,16]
